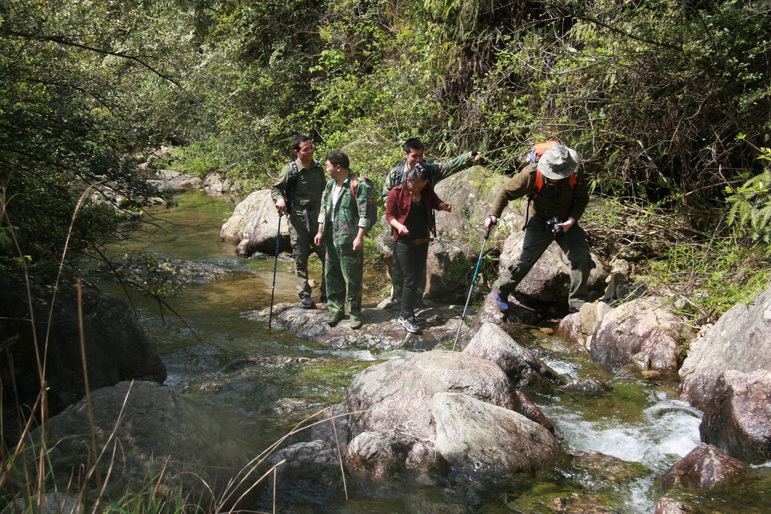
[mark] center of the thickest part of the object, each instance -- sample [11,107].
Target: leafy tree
[66,120]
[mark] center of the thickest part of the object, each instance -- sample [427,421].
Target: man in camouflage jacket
[343,223]
[413,154]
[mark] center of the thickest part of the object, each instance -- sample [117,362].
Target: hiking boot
[334,318]
[409,325]
[307,303]
[388,303]
[501,300]
[355,322]
[417,319]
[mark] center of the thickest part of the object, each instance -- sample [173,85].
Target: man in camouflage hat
[297,193]
[559,197]
[343,223]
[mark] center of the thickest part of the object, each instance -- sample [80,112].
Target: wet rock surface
[738,421]
[381,329]
[705,467]
[739,341]
[645,332]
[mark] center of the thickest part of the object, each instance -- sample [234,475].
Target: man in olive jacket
[298,194]
[343,223]
[556,191]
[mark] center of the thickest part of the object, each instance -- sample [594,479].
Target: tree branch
[66,42]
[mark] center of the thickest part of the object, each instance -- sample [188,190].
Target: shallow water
[640,420]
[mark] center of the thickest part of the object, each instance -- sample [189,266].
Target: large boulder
[397,395]
[481,439]
[644,332]
[739,341]
[521,367]
[254,224]
[116,347]
[427,410]
[134,435]
[705,467]
[738,419]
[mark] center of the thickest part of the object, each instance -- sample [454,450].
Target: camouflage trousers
[302,229]
[344,271]
[537,240]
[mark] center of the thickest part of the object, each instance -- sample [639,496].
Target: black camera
[553,224]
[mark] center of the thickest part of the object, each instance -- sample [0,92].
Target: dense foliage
[667,102]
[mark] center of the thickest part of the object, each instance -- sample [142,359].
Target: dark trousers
[412,260]
[573,243]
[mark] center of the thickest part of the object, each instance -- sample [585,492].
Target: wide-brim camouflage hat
[558,162]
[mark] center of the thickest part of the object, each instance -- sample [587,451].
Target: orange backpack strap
[532,195]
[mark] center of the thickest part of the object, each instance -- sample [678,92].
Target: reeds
[27,481]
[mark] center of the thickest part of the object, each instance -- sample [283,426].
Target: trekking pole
[471,289]
[275,264]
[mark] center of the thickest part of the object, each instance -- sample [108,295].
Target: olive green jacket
[436,171]
[349,213]
[554,199]
[306,190]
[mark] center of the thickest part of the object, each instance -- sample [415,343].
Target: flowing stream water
[640,420]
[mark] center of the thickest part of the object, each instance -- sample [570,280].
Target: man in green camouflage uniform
[413,154]
[298,193]
[343,223]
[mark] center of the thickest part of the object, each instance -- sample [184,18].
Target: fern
[751,204]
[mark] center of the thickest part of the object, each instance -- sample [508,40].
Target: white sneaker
[409,325]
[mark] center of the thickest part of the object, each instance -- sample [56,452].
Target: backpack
[371,201]
[540,148]
[294,175]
